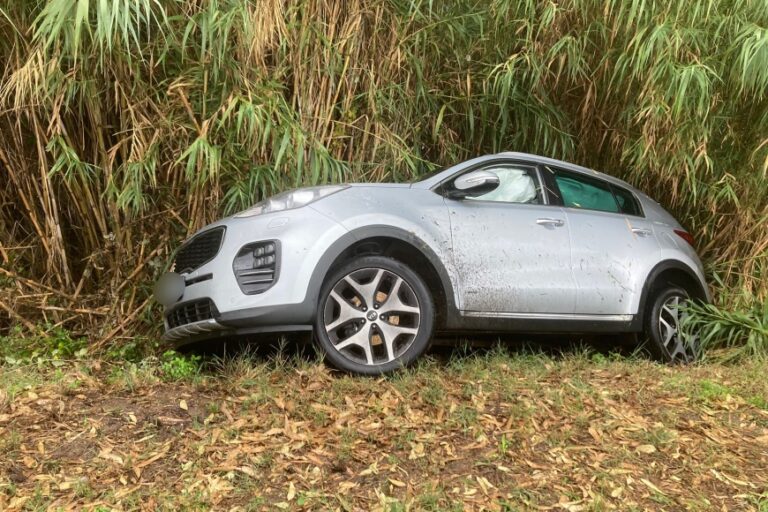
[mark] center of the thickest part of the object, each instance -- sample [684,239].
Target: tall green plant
[743,334]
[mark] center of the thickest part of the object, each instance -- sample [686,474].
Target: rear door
[609,237]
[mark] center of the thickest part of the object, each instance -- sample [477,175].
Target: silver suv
[502,243]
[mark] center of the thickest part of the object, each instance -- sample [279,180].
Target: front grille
[190,312]
[198,251]
[257,266]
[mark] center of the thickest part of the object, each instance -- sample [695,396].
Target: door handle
[642,231]
[549,222]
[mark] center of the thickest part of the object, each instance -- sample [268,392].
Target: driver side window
[516,185]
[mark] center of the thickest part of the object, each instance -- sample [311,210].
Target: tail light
[685,236]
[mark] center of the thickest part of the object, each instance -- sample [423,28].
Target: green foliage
[744,333]
[135,350]
[709,390]
[50,344]
[126,122]
[760,402]
[175,366]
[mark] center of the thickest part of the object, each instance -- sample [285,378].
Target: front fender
[331,255]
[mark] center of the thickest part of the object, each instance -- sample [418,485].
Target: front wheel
[666,341]
[374,315]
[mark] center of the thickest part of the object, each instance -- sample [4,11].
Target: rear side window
[577,192]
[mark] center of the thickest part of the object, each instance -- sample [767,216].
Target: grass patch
[510,430]
[51,344]
[176,367]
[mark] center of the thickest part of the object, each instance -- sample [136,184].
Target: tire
[374,315]
[664,340]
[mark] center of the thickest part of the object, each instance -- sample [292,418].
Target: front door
[512,251]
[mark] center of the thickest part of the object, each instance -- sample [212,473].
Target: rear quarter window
[627,201]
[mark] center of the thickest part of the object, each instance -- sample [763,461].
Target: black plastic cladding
[257,266]
[191,312]
[199,250]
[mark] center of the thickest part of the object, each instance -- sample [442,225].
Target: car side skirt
[542,323]
[260,322]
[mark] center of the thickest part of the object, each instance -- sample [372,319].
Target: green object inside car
[581,194]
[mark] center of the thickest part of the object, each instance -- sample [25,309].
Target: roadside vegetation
[127,124]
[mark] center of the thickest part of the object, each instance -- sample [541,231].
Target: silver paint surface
[501,260]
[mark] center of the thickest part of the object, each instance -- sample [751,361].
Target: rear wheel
[666,341]
[374,315]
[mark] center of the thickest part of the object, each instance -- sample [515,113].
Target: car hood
[231,219]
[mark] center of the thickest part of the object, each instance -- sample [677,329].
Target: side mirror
[473,184]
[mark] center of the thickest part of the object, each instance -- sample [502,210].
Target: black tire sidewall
[653,336]
[426,321]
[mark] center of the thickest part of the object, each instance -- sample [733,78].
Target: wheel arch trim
[350,238]
[652,278]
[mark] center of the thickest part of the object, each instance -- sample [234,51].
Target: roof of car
[560,163]
[542,160]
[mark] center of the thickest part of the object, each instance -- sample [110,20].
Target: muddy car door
[611,242]
[511,251]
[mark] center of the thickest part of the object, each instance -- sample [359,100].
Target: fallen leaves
[291,492]
[652,486]
[726,478]
[545,441]
[108,455]
[646,448]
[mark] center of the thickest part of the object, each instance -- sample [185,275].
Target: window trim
[555,195]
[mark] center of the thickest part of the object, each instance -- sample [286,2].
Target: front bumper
[279,318]
[195,330]
[207,330]
[288,304]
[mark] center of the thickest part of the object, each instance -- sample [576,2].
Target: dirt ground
[491,432]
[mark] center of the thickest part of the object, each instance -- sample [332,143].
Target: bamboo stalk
[26,323]
[95,151]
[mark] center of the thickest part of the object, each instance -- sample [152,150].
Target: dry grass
[497,431]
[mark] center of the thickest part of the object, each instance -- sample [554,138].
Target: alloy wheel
[371,316]
[681,346]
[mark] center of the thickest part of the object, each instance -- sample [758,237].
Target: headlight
[290,200]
